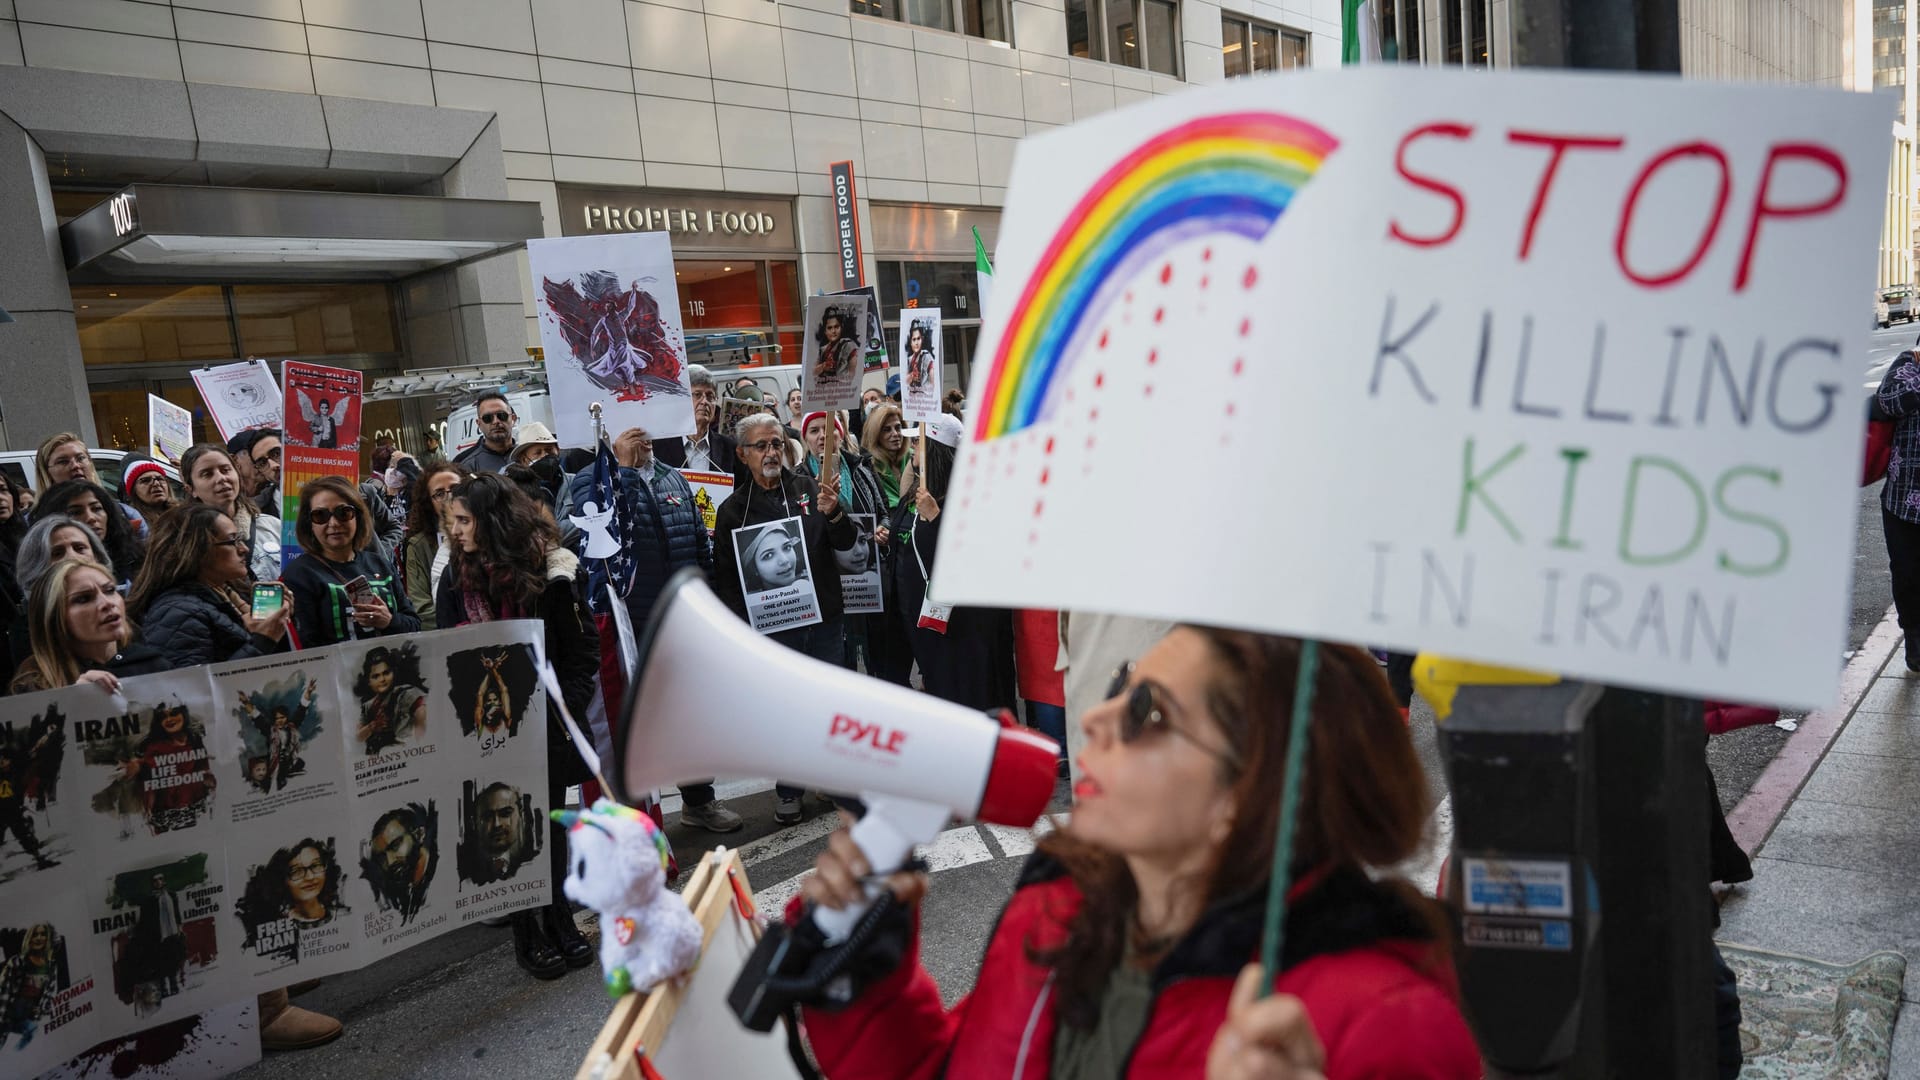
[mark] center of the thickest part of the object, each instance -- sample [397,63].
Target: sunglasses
[1144,706]
[494,418]
[271,455]
[233,542]
[341,513]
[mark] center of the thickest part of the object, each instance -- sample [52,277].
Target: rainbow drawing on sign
[1232,173]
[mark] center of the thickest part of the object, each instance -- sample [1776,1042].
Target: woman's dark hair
[155,732]
[423,514]
[513,538]
[347,493]
[837,315]
[14,529]
[937,469]
[176,551]
[1364,803]
[529,482]
[404,662]
[123,547]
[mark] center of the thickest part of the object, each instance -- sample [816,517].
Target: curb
[1753,820]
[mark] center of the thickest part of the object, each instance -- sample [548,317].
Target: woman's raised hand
[837,878]
[1264,1038]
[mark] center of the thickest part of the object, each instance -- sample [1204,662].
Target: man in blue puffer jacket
[666,533]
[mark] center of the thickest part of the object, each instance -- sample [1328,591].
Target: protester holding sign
[189,599]
[1127,948]
[1899,397]
[709,448]
[965,654]
[859,491]
[213,479]
[76,621]
[508,563]
[343,588]
[789,529]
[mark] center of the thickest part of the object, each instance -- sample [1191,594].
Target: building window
[1251,46]
[1137,33]
[950,285]
[1476,34]
[1400,30]
[734,311]
[1452,20]
[977,18]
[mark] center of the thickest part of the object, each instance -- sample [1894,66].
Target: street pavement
[459,1006]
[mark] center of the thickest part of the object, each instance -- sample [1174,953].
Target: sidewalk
[1837,874]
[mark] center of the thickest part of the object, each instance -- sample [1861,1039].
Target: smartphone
[268,597]
[358,591]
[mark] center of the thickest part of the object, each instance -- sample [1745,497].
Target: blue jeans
[1051,721]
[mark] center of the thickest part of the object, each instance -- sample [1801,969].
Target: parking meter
[1520,879]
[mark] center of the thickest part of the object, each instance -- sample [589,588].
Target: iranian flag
[1359,32]
[983,270]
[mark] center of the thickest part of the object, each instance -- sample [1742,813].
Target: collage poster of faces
[213,833]
[775,576]
[920,364]
[834,352]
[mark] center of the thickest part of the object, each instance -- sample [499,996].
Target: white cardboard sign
[611,330]
[1536,369]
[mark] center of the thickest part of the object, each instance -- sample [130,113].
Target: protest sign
[240,397]
[1544,370]
[169,430]
[610,326]
[710,489]
[322,437]
[775,576]
[875,338]
[212,833]
[920,364]
[860,570]
[830,355]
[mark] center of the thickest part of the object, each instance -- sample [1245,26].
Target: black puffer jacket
[191,624]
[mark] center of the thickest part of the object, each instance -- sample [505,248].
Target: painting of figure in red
[614,332]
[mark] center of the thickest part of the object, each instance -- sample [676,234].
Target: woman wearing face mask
[508,563]
[77,623]
[192,598]
[1127,949]
[95,507]
[425,552]
[213,480]
[336,550]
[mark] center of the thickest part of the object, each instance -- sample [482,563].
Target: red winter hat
[838,427]
[137,470]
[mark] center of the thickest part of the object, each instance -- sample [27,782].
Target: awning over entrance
[157,231]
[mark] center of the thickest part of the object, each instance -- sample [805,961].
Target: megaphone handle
[886,836]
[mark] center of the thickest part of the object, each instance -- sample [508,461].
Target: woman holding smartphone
[192,597]
[342,587]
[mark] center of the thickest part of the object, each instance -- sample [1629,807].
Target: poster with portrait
[775,576]
[217,1042]
[39,822]
[860,569]
[169,430]
[920,364]
[710,489]
[875,339]
[155,927]
[215,832]
[50,988]
[610,326]
[832,352]
[279,733]
[322,407]
[239,397]
[292,902]
[145,762]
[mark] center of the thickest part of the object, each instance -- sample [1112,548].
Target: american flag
[618,570]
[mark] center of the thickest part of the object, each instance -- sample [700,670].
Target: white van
[463,431]
[778,380]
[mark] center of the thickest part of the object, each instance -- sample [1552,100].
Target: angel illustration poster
[610,324]
[322,436]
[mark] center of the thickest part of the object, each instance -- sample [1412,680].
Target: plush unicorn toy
[618,868]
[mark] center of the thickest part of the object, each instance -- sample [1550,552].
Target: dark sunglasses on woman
[326,514]
[1144,707]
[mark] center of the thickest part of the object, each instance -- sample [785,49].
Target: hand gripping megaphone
[915,760]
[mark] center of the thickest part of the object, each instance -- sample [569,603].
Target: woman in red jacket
[1126,949]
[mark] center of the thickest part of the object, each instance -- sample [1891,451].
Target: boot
[290,1027]
[566,935]
[532,948]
